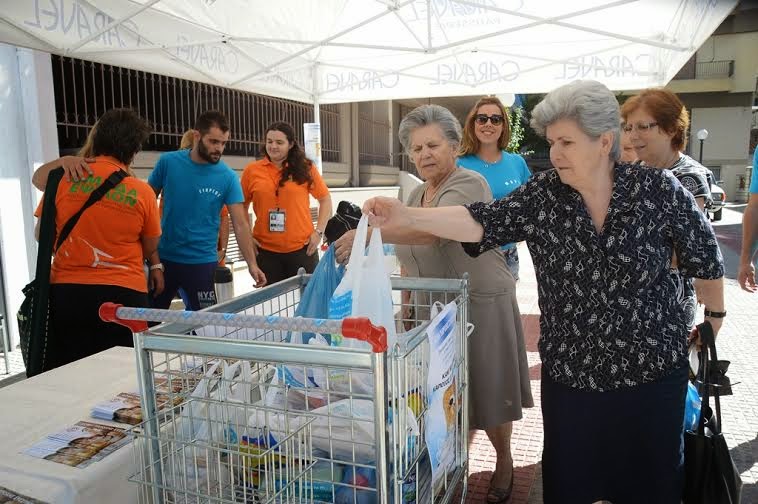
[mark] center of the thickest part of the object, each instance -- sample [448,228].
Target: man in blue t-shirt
[196,184]
[503,176]
[746,275]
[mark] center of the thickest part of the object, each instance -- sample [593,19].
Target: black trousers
[625,445]
[77,328]
[280,266]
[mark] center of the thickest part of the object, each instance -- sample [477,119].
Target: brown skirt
[498,368]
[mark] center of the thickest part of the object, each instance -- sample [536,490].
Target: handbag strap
[111,182]
[46,236]
[708,362]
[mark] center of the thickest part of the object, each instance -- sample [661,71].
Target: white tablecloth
[52,401]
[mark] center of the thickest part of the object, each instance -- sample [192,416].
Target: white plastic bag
[205,420]
[340,380]
[190,418]
[343,429]
[217,413]
[365,290]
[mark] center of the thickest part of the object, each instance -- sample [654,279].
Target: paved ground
[737,342]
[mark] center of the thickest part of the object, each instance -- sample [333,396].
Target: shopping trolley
[351,421]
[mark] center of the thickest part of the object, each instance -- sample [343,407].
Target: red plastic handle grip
[107,313]
[362,329]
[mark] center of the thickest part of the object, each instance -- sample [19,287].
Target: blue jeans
[511,261]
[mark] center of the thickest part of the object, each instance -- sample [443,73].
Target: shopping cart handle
[108,313]
[362,329]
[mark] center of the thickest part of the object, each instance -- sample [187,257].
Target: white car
[719,200]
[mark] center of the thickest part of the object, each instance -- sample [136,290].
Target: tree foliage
[516,123]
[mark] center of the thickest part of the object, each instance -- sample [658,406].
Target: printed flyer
[8,496]
[80,445]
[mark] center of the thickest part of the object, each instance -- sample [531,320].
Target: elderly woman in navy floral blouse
[613,337]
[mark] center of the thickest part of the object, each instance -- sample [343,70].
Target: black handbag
[710,475]
[344,219]
[33,316]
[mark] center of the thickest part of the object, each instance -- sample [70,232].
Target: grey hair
[592,105]
[426,115]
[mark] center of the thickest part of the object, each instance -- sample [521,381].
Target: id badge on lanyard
[276,220]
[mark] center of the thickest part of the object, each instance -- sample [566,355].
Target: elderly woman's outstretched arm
[451,223]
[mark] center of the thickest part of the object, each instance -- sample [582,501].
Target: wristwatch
[319,232]
[157,266]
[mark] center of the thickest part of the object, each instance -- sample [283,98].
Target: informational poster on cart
[312,139]
[444,402]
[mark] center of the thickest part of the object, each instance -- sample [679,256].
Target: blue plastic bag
[364,479]
[692,403]
[314,302]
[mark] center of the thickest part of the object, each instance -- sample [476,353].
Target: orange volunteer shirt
[259,183]
[104,248]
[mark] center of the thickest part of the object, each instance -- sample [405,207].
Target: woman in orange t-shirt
[102,258]
[280,186]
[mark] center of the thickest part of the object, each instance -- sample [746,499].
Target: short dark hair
[120,133]
[209,119]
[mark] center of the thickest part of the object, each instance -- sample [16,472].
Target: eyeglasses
[640,127]
[495,119]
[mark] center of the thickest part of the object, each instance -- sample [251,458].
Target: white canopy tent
[331,51]
[323,51]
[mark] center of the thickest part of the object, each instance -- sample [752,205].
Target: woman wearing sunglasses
[485,137]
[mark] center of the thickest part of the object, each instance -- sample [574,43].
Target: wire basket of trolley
[244,402]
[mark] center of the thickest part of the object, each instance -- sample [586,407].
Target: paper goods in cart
[442,390]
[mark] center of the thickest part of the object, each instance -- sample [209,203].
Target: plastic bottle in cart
[360,477]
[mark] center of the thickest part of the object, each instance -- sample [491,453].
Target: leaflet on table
[8,496]
[79,445]
[125,407]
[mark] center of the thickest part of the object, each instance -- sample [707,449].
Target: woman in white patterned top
[656,122]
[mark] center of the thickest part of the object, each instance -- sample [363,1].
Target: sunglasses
[495,119]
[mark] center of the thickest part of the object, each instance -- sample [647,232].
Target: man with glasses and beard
[196,184]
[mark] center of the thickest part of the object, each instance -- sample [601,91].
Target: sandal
[497,495]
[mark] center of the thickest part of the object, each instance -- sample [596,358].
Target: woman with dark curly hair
[279,186]
[102,257]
